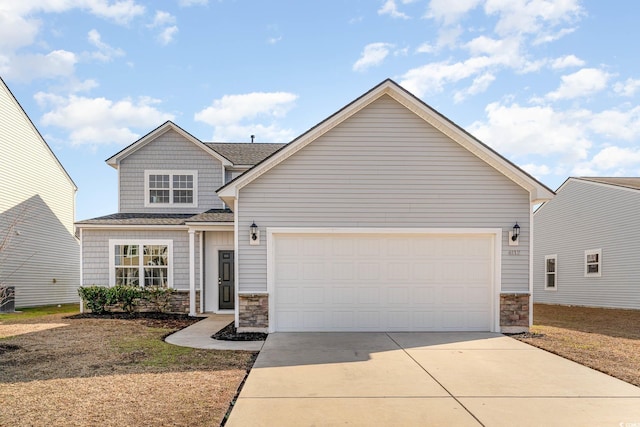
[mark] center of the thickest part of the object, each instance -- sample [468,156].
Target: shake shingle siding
[37,209]
[169,151]
[584,216]
[95,253]
[384,167]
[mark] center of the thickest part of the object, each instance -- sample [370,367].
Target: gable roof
[538,191]
[244,153]
[4,86]
[114,160]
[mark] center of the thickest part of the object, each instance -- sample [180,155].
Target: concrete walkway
[425,379]
[199,334]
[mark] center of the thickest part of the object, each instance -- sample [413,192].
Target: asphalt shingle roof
[629,182]
[243,153]
[213,215]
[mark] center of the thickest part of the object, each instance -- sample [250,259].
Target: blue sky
[552,85]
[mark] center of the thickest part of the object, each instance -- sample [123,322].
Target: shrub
[159,297]
[126,296]
[96,298]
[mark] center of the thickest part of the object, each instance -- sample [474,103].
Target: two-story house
[171,229]
[38,248]
[386,216]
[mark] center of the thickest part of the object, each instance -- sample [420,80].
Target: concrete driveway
[425,379]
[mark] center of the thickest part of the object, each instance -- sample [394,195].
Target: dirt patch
[230,333]
[77,374]
[607,340]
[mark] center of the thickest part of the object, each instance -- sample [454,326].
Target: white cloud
[523,131]
[532,16]
[166,36]
[536,170]
[96,121]
[449,12]
[627,88]
[480,84]
[425,48]
[230,114]
[372,55]
[616,124]
[16,31]
[584,82]
[566,62]
[611,161]
[165,22]
[162,18]
[390,8]
[24,68]
[274,40]
[105,52]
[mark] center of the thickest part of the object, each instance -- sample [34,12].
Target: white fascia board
[114,161]
[210,226]
[131,227]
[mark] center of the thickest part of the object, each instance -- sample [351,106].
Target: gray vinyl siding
[37,210]
[169,151]
[95,253]
[383,167]
[587,216]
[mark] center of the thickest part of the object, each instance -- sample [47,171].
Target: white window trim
[148,204]
[591,252]
[546,273]
[112,257]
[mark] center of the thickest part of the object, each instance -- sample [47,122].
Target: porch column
[192,272]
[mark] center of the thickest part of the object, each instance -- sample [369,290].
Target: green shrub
[159,297]
[96,298]
[126,296]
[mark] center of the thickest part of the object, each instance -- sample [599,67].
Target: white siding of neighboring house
[37,208]
[581,217]
[95,253]
[169,151]
[383,167]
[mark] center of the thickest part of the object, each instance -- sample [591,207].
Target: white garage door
[382,282]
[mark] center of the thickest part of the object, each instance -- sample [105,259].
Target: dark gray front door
[225,280]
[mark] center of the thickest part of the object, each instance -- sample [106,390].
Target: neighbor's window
[551,272]
[141,263]
[167,188]
[593,263]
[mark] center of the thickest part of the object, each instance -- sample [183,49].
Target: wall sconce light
[514,235]
[254,234]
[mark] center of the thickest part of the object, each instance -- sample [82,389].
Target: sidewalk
[199,334]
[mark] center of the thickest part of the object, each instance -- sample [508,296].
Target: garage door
[382,282]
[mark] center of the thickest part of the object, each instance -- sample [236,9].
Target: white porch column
[192,272]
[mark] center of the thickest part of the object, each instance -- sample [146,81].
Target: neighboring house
[386,216]
[587,244]
[38,248]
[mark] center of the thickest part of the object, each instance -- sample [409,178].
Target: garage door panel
[382,282]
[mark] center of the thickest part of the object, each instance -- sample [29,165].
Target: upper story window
[551,272]
[593,263]
[171,188]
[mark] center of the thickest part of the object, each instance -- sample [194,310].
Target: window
[551,272]
[171,188]
[141,263]
[593,263]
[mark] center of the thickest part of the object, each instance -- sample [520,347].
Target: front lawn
[63,371]
[604,339]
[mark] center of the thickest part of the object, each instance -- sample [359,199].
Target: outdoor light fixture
[516,232]
[514,235]
[254,234]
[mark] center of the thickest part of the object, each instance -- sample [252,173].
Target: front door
[225,280]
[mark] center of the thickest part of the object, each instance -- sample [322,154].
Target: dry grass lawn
[604,339]
[85,372]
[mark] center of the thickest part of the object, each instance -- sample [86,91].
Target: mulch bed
[230,333]
[150,319]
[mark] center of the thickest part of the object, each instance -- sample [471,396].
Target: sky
[552,85]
